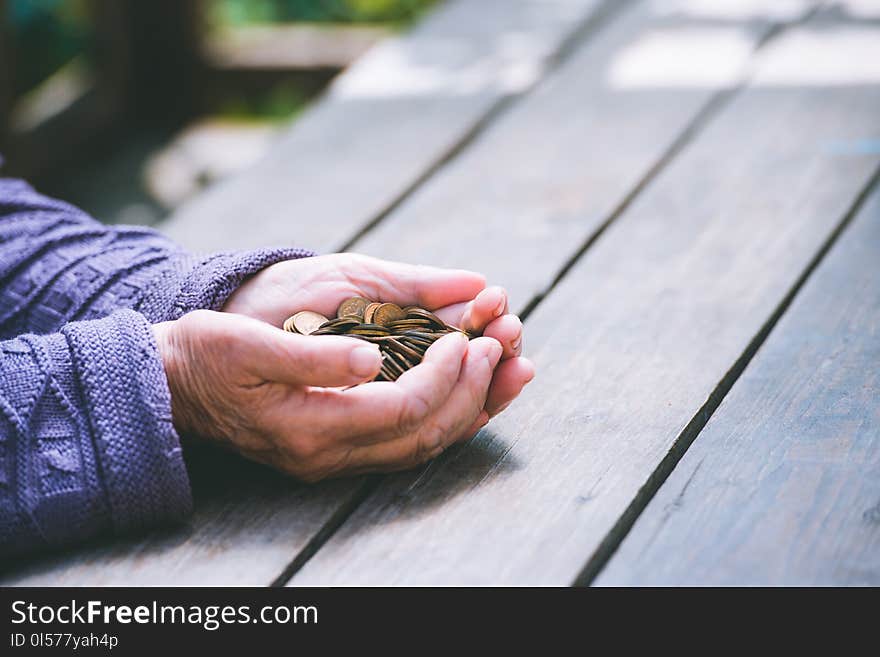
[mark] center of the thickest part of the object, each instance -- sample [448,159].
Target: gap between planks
[689,434]
[604,14]
[580,30]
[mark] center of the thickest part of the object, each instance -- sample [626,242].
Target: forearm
[59,265]
[88,444]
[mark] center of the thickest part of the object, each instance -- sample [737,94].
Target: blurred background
[129,107]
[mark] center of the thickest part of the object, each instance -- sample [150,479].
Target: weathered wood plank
[633,341]
[542,179]
[383,125]
[210,551]
[250,523]
[782,487]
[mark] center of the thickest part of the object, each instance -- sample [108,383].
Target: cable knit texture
[86,439]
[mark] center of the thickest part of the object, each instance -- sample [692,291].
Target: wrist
[171,356]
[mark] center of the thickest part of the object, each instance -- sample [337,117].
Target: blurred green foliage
[47,34]
[280,103]
[238,12]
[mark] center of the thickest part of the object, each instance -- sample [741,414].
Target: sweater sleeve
[86,439]
[59,265]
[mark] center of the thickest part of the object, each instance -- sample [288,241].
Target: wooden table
[684,205]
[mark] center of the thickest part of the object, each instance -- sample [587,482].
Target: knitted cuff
[123,386]
[206,283]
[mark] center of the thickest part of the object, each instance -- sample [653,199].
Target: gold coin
[387,313]
[353,307]
[307,322]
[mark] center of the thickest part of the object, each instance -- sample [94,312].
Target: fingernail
[364,361]
[532,375]
[500,307]
[516,344]
[493,355]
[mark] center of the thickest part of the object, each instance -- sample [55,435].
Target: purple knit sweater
[86,440]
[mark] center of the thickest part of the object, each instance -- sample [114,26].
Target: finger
[329,360]
[475,315]
[430,287]
[508,330]
[510,377]
[508,381]
[481,421]
[382,410]
[442,428]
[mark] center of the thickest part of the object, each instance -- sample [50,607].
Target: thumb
[325,360]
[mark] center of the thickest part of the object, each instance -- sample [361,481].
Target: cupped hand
[283,399]
[459,297]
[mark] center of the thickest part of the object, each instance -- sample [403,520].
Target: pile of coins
[402,334]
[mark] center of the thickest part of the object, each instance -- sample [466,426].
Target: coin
[399,347]
[353,307]
[340,325]
[405,324]
[369,310]
[305,322]
[403,335]
[387,313]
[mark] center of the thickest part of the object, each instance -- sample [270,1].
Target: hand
[277,397]
[460,298]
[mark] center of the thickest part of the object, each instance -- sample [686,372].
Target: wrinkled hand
[283,399]
[277,397]
[460,298]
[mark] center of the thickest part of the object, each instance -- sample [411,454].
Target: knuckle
[428,445]
[304,449]
[412,412]
[193,321]
[306,357]
[198,315]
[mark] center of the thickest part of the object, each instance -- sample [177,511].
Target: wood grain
[249,523]
[226,543]
[783,485]
[629,345]
[402,108]
[295,514]
[545,176]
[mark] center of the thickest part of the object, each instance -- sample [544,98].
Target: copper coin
[369,310]
[353,307]
[403,335]
[306,322]
[387,313]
